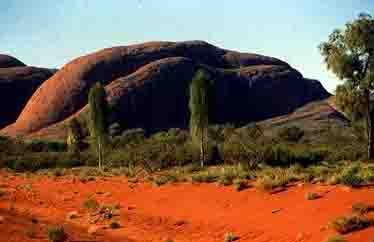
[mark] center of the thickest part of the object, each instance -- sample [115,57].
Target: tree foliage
[75,135]
[98,118]
[200,110]
[349,54]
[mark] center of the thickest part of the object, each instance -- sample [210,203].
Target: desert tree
[75,135]
[200,110]
[349,54]
[98,107]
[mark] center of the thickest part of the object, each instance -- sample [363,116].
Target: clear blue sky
[51,33]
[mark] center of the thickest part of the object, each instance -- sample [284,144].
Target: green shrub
[91,204]
[279,155]
[350,223]
[291,133]
[46,146]
[239,184]
[362,208]
[204,177]
[312,196]
[336,238]
[30,232]
[229,237]
[115,225]
[350,176]
[56,234]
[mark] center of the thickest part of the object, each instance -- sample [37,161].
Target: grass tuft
[56,234]
[350,223]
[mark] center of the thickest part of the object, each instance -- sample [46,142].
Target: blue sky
[51,33]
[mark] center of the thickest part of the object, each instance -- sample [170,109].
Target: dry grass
[312,196]
[362,208]
[336,238]
[350,223]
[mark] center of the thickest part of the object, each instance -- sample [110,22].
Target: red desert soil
[181,212]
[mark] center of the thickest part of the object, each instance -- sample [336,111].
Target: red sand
[181,212]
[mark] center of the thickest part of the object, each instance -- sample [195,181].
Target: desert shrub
[227,176]
[22,165]
[336,238]
[312,196]
[239,184]
[172,136]
[274,178]
[91,204]
[161,180]
[44,160]
[362,208]
[229,237]
[30,232]
[128,137]
[291,133]
[350,176]
[56,234]
[350,223]
[46,146]
[279,155]
[186,153]
[246,145]
[115,225]
[69,163]
[114,129]
[205,177]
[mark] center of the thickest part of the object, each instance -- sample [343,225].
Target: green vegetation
[99,112]
[91,204]
[200,109]
[56,234]
[115,225]
[75,136]
[336,238]
[350,223]
[349,55]
[312,196]
[229,237]
[291,133]
[362,208]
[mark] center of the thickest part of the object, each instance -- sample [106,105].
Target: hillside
[148,83]
[18,82]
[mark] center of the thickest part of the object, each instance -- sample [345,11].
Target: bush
[336,238]
[350,223]
[350,176]
[279,155]
[362,208]
[312,196]
[115,225]
[229,237]
[206,177]
[91,204]
[291,133]
[56,234]
[274,178]
[239,185]
[46,146]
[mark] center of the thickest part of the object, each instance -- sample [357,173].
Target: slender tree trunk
[371,136]
[202,151]
[99,152]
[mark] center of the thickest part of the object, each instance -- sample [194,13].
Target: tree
[98,118]
[200,109]
[349,54]
[75,135]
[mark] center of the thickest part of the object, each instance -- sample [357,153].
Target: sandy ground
[179,212]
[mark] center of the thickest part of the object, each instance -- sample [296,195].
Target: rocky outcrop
[148,83]
[17,84]
[7,61]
